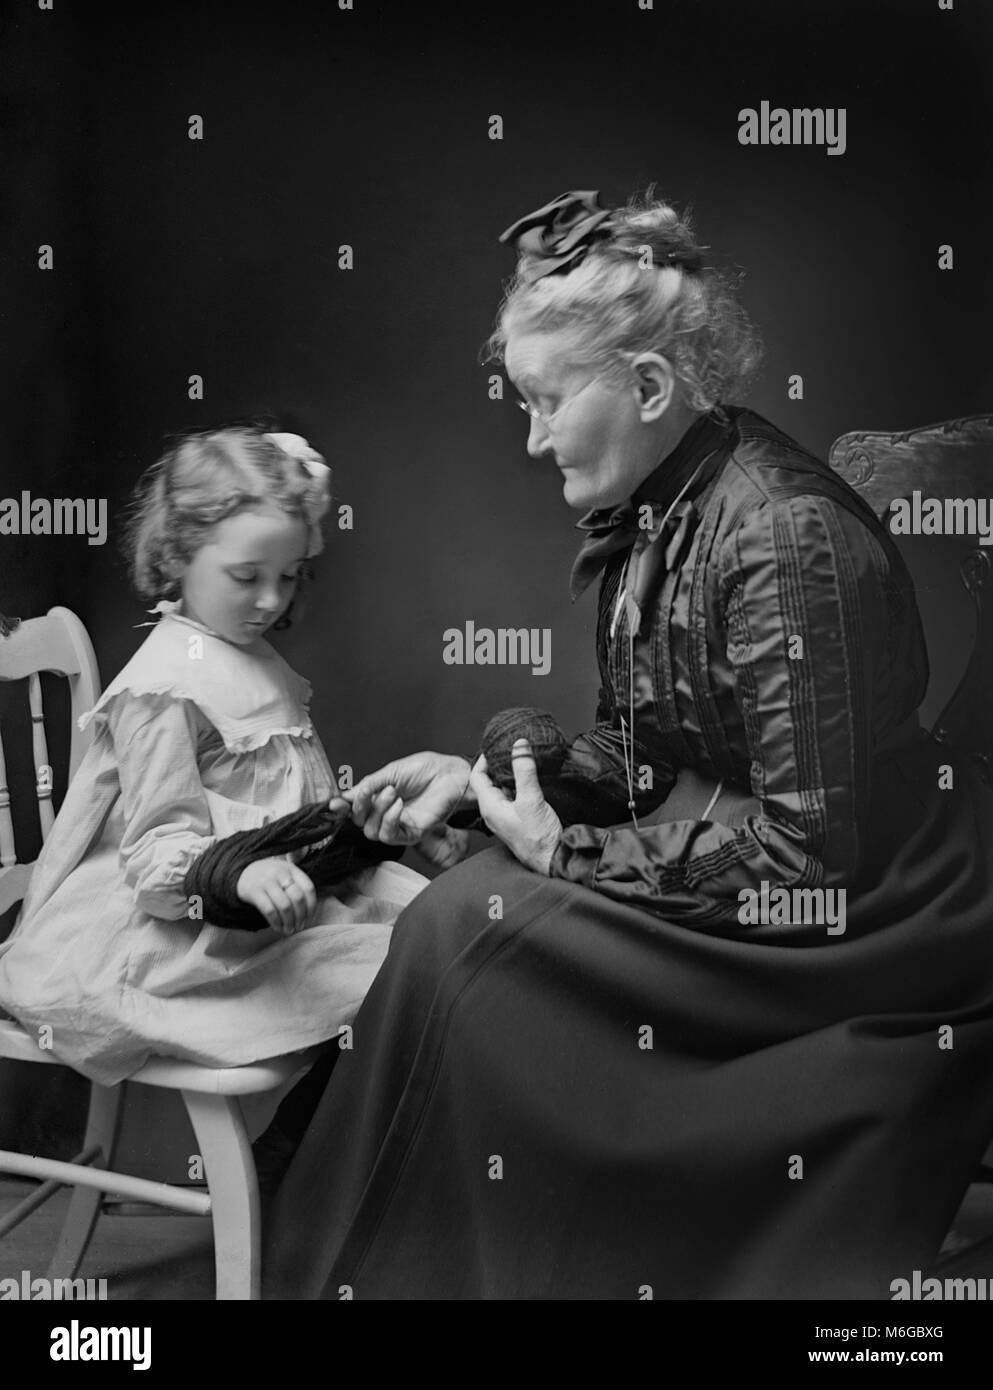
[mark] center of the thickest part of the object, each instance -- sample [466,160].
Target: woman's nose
[539,440]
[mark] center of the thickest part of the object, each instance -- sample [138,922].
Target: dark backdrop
[369,127]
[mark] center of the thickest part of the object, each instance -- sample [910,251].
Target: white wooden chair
[59,643]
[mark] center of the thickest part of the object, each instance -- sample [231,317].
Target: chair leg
[102,1124]
[234,1193]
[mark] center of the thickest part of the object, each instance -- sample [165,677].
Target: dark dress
[620,1088]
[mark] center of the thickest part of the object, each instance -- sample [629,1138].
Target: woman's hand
[282,893]
[527,825]
[409,797]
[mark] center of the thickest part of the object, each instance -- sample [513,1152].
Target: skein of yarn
[214,876]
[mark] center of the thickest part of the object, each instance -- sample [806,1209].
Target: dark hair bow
[558,236]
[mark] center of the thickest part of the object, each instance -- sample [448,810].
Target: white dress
[195,739]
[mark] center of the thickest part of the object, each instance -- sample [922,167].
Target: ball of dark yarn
[548,743]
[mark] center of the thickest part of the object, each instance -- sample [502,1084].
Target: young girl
[204,733]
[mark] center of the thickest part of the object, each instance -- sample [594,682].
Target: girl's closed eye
[251,578]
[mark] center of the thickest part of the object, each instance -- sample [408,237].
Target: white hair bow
[297,447]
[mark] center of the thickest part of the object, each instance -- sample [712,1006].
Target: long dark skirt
[579,1100]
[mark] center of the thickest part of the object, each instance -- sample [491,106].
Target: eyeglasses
[546,420]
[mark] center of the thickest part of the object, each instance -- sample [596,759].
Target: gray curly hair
[631,295]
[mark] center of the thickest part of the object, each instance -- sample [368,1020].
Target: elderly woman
[744,1049]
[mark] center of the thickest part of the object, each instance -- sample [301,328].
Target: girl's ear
[171,571]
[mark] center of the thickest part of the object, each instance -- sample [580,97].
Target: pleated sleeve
[803,594]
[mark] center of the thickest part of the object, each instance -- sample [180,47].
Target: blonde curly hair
[204,478]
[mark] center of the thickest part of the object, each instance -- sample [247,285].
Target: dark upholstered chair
[950,460]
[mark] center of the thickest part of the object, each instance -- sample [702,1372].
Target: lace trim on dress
[250,696]
[234,743]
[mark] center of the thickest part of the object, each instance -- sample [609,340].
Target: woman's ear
[656,384]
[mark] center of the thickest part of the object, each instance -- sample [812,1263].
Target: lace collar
[248,693]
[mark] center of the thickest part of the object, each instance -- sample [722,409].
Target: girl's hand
[282,893]
[527,825]
[444,846]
